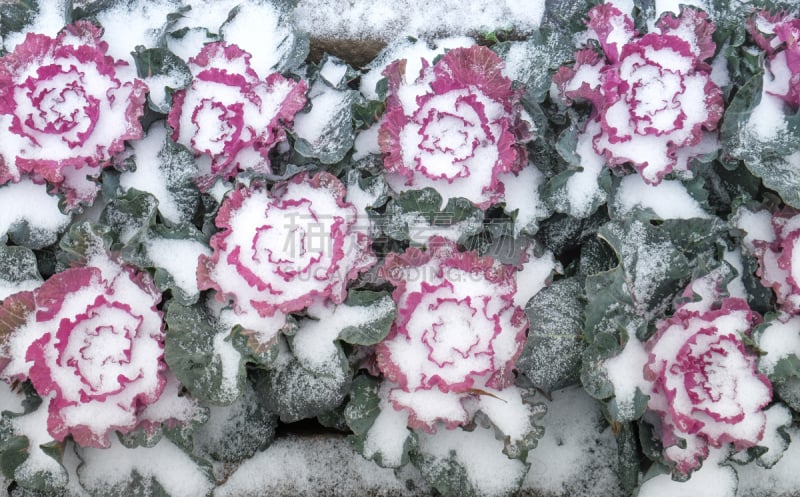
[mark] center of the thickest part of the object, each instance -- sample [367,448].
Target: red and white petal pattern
[230,118]
[279,250]
[454,128]
[91,339]
[457,329]
[705,387]
[65,110]
[652,95]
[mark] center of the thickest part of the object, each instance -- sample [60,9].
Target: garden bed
[345,248]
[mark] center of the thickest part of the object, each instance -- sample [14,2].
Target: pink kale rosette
[279,250]
[457,332]
[652,95]
[455,128]
[706,390]
[778,34]
[66,109]
[90,339]
[228,116]
[777,256]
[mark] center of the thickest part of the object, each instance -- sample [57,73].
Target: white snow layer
[488,470]
[179,259]
[49,22]
[308,466]
[711,480]
[577,454]
[387,20]
[668,200]
[45,222]
[174,470]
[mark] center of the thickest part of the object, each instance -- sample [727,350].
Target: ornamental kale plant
[456,128]
[91,341]
[556,258]
[652,95]
[65,110]
[436,369]
[705,388]
[282,250]
[227,116]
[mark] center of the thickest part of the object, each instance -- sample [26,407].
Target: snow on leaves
[457,331]
[280,250]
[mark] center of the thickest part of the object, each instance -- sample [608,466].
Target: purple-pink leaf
[776,259]
[778,34]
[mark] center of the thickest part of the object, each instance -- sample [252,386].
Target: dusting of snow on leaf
[457,127]
[92,338]
[652,95]
[778,34]
[705,390]
[228,116]
[457,332]
[65,110]
[280,250]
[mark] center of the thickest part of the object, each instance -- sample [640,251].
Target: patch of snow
[625,372]
[781,479]
[577,454]
[719,68]
[413,52]
[313,343]
[261,30]
[712,480]
[779,340]
[174,470]
[34,427]
[46,221]
[668,200]
[489,471]
[179,259]
[49,21]
[152,172]
[534,276]
[522,195]
[756,225]
[364,19]
[308,466]
[327,104]
[582,188]
[367,142]
[389,432]
[129,24]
